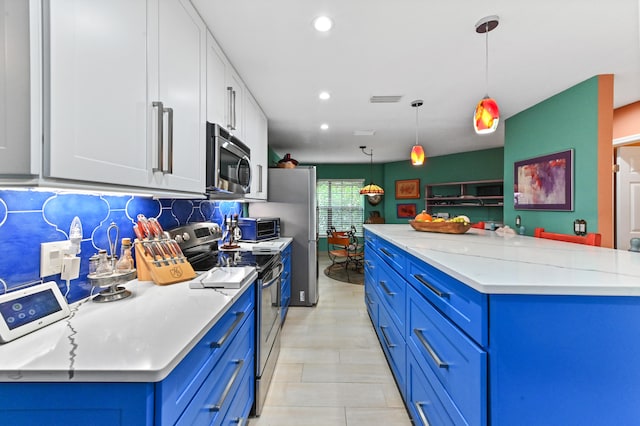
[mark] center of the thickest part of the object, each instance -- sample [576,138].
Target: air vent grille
[385,99]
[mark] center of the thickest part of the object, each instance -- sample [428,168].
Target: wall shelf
[472,194]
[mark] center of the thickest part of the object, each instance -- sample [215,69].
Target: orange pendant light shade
[486,116]
[417,155]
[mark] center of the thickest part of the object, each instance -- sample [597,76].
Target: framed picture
[407,189]
[406,210]
[544,183]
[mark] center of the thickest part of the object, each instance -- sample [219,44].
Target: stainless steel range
[199,242]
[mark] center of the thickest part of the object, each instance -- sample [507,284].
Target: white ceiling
[418,49]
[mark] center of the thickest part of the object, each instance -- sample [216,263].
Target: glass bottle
[104,264]
[125,262]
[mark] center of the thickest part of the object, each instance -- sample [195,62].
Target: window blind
[339,204]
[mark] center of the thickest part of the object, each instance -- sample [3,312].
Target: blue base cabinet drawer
[427,401]
[214,399]
[467,308]
[394,347]
[371,302]
[455,360]
[392,291]
[285,286]
[393,256]
[175,392]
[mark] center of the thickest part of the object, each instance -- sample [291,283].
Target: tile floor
[331,370]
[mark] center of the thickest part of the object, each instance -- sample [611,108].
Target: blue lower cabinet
[285,283]
[69,404]
[394,347]
[457,362]
[213,383]
[427,401]
[216,396]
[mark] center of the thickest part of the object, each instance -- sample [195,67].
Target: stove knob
[186,236]
[178,239]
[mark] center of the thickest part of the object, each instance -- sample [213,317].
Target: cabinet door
[96,102]
[216,84]
[255,137]
[14,87]
[179,83]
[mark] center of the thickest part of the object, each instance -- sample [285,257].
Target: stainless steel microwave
[228,164]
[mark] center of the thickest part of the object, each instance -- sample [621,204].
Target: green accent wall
[472,165]
[568,120]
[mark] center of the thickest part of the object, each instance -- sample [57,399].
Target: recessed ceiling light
[322,23]
[324,126]
[324,95]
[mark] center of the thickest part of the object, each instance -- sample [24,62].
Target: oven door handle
[276,278]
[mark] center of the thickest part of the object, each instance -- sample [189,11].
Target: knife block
[162,272]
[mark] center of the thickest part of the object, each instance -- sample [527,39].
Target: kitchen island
[158,357]
[501,329]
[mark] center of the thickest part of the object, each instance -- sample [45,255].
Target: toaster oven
[254,229]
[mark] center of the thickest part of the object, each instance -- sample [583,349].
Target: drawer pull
[387,253]
[227,388]
[386,289]
[219,343]
[429,349]
[423,416]
[239,420]
[431,286]
[386,338]
[369,301]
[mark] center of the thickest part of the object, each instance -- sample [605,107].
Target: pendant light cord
[486,62]
[417,124]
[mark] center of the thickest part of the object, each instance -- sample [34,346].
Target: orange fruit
[423,216]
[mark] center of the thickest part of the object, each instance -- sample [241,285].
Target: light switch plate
[51,255]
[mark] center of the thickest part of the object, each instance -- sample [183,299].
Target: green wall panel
[471,165]
[567,120]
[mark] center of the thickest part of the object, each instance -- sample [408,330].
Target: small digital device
[29,309]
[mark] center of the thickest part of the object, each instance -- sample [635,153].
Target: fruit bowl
[442,227]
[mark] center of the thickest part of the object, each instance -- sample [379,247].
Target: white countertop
[138,339]
[494,263]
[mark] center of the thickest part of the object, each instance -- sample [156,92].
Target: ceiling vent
[364,132]
[389,99]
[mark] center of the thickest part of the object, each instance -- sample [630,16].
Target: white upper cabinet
[15,150]
[217,97]
[231,105]
[256,139]
[126,95]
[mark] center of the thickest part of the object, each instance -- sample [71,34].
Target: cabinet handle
[386,289]
[423,417]
[231,122]
[369,264]
[170,140]
[431,287]
[259,177]
[387,253]
[239,420]
[429,349]
[219,343]
[369,301]
[160,124]
[386,338]
[227,388]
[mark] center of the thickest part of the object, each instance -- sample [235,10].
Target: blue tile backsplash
[29,217]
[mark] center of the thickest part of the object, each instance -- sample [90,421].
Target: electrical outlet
[51,255]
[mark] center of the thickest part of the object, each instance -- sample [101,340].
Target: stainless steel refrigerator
[292,198]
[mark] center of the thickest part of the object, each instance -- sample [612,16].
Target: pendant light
[487,114]
[417,153]
[372,189]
